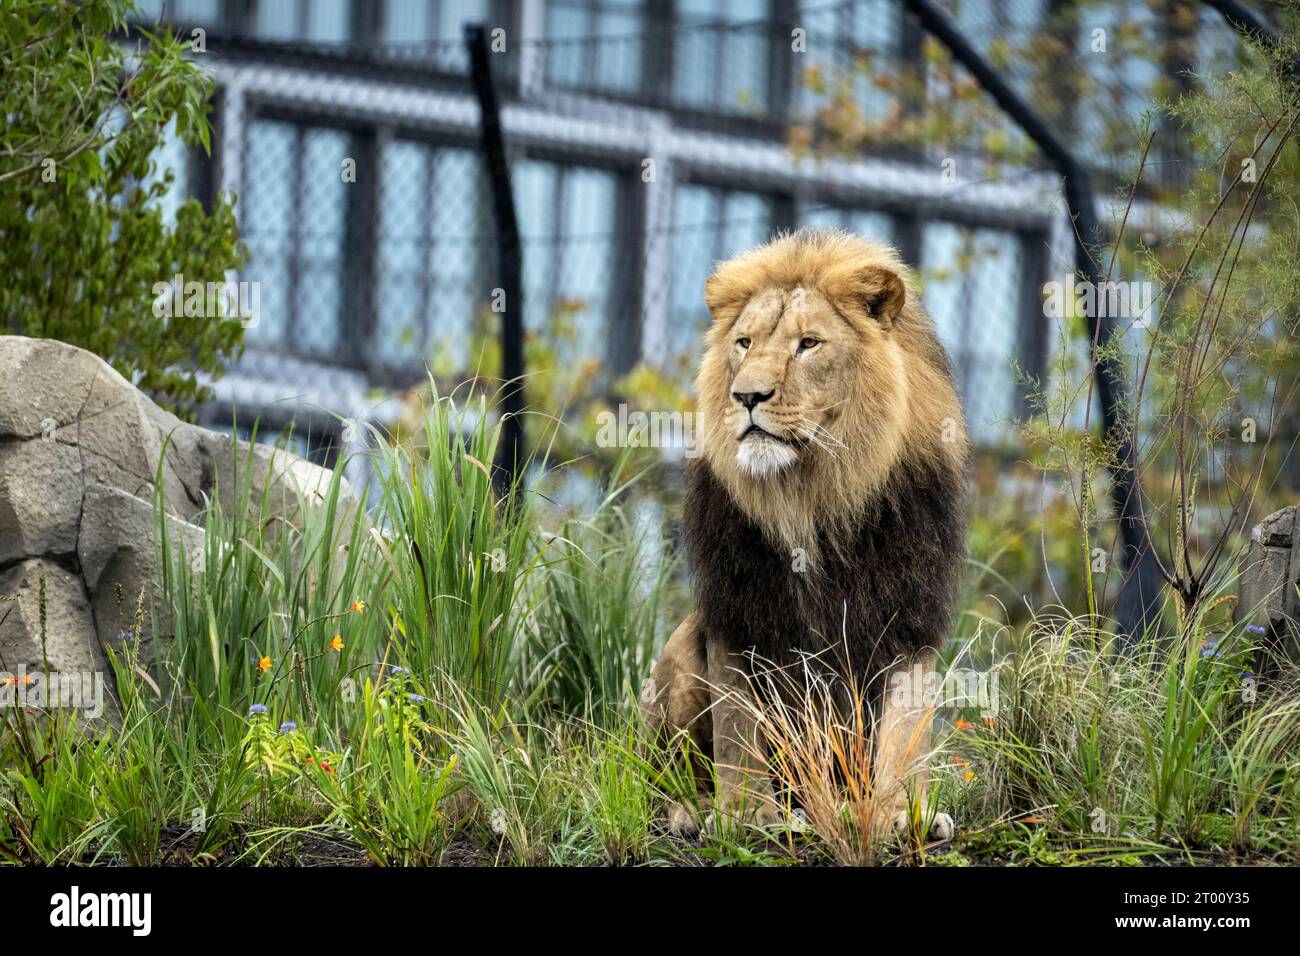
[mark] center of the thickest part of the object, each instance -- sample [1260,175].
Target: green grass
[448,682]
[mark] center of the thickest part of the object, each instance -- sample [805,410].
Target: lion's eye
[743,343]
[808,342]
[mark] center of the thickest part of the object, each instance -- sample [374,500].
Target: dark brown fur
[888,595]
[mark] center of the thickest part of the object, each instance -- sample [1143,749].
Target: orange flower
[336,644]
[990,721]
[960,760]
[964,725]
[264,664]
[25,680]
[357,606]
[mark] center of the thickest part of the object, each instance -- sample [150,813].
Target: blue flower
[1255,629]
[395,670]
[257,709]
[288,727]
[1210,649]
[416,698]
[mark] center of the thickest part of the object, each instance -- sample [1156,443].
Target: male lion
[827,511]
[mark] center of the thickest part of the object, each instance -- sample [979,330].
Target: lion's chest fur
[888,593]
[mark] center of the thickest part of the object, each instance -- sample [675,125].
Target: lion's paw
[941,827]
[681,822]
[763,814]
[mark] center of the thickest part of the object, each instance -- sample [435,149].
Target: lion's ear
[884,293]
[715,296]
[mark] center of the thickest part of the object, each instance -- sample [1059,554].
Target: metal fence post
[510,454]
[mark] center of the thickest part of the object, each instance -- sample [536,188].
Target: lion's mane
[859,549]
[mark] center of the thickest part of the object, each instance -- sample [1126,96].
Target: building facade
[648,140]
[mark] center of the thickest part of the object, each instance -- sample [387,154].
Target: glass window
[972,292]
[709,224]
[853,44]
[568,223]
[321,222]
[277,21]
[318,21]
[721,53]
[431,30]
[328,21]
[433,265]
[266,217]
[196,11]
[293,212]
[877,226]
[595,43]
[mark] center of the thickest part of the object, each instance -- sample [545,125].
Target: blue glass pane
[588,255]
[320,250]
[266,213]
[409,21]
[618,52]
[696,211]
[195,11]
[708,225]
[457,257]
[278,21]
[404,196]
[747,223]
[328,21]
[536,187]
[972,294]
[566,62]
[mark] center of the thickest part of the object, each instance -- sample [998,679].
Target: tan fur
[875,393]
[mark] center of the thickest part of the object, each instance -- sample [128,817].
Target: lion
[826,512]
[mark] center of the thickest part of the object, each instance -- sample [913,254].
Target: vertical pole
[510,453]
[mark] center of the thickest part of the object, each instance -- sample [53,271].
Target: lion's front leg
[744,792]
[901,773]
[676,700]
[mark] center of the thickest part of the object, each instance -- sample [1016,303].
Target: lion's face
[793,363]
[818,378]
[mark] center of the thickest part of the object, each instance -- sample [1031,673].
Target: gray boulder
[1269,585]
[83,456]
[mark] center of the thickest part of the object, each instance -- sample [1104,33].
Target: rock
[40,499]
[1270,576]
[119,553]
[82,456]
[69,632]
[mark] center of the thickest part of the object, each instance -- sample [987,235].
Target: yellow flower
[264,664]
[357,606]
[968,775]
[336,644]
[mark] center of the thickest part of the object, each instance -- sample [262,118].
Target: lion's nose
[750,399]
